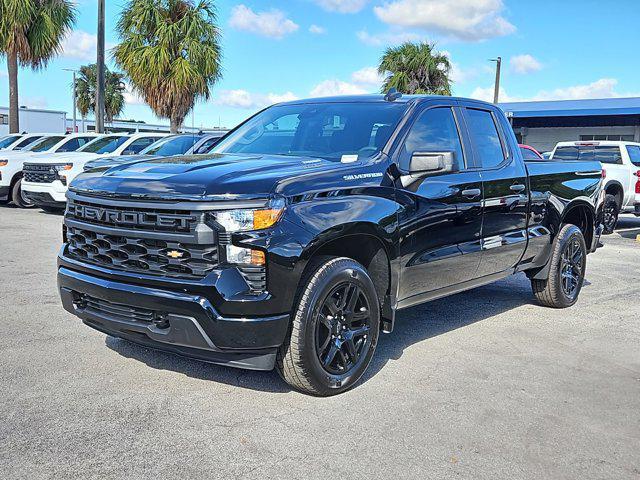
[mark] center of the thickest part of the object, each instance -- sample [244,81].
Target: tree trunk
[176,123]
[14,113]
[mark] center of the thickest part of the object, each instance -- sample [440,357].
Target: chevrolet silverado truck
[620,162]
[296,241]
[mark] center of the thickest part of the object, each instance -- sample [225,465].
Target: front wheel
[334,330]
[566,273]
[18,198]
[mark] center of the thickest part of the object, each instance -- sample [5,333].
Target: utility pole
[100,67]
[496,87]
[74,99]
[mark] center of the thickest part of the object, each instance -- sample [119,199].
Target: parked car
[46,181]
[621,168]
[18,141]
[529,153]
[12,161]
[182,144]
[313,223]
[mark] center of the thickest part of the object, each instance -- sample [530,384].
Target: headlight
[251,219]
[243,220]
[62,168]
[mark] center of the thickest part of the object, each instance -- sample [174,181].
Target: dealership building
[543,124]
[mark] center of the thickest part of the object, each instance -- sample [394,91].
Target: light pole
[74,98]
[100,68]
[496,87]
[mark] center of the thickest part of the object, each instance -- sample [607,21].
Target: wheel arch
[582,215]
[615,188]
[364,245]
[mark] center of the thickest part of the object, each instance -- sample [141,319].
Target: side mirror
[431,163]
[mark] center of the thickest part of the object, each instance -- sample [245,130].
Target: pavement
[482,385]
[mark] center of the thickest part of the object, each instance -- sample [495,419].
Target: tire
[17,198]
[566,273]
[611,212]
[326,354]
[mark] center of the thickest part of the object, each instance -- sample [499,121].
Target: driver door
[441,222]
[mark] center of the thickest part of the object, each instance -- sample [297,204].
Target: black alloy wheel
[610,214]
[342,329]
[571,268]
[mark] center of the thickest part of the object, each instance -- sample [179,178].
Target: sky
[286,49]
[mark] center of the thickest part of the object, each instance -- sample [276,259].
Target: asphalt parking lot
[482,385]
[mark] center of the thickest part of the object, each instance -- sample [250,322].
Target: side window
[485,138]
[609,155]
[71,146]
[138,145]
[207,145]
[434,131]
[25,142]
[634,154]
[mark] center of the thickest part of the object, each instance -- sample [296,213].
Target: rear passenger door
[505,190]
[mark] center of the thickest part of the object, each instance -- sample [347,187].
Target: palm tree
[171,53]
[31,34]
[86,85]
[416,68]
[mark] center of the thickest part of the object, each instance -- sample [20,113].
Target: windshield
[44,144]
[6,141]
[104,144]
[176,145]
[333,131]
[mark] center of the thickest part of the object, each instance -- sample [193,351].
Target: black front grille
[148,219]
[39,173]
[140,255]
[115,311]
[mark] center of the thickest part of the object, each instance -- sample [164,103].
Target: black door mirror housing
[431,163]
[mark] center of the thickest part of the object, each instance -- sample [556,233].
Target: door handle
[518,187]
[471,192]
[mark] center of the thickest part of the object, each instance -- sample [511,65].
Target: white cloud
[342,6]
[272,23]
[131,97]
[80,45]
[602,88]
[247,100]
[524,64]
[329,88]
[388,38]
[317,30]
[457,74]
[468,20]
[367,76]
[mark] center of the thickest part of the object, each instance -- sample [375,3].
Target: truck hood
[63,157]
[199,176]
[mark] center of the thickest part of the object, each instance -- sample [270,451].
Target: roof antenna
[392,95]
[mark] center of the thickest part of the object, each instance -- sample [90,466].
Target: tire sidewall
[569,233]
[16,195]
[326,382]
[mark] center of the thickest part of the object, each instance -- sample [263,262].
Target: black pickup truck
[297,240]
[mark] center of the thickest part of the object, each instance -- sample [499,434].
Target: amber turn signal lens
[265,218]
[3,163]
[257,257]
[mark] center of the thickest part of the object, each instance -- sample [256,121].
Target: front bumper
[42,199]
[176,321]
[4,192]
[636,209]
[54,190]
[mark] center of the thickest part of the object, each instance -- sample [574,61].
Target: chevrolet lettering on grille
[118,217]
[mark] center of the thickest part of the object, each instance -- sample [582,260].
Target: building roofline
[29,109]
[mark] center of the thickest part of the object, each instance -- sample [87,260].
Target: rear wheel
[17,196]
[611,211]
[334,330]
[566,273]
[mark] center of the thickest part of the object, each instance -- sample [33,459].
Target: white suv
[621,169]
[12,160]
[46,181]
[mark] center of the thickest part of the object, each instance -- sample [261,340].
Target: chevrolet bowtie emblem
[175,254]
